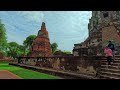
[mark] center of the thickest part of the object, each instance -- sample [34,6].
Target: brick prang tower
[41,46]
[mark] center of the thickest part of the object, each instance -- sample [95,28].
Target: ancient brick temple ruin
[103,26]
[41,45]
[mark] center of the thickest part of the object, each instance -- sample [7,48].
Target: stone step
[114,56]
[108,77]
[104,59]
[110,70]
[110,67]
[114,64]
[110,74]
[115,61]
[117,55]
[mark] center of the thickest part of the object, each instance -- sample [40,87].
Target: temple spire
[43,24]
[41,45]
[43,27]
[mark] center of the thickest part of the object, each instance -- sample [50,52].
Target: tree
[3,39]
[66,52]
[16,50]
[28,42]
[58,52]
[54,47]
[23,50]
[13,49]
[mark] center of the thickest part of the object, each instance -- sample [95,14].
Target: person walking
[108,54]
[112,47]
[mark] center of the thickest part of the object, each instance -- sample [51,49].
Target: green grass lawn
[24,73]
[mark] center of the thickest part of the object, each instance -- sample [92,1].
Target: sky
[66,28]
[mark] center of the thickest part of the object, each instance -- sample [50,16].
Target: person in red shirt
[108,54]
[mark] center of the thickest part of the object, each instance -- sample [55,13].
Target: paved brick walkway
[4,74]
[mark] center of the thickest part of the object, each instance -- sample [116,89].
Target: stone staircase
[110,72]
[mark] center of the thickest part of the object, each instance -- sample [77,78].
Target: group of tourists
[110,52]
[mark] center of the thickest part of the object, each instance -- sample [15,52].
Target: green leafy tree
[23,50]
[67,52]
[13,49]
[16,50]
[54,47]
[3,39]
[28,42]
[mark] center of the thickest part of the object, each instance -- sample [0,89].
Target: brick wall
[83,64]
[110,33]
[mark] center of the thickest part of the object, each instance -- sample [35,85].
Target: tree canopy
[54,47]
[28,42]
[3,39]
[13,49]
[66,52]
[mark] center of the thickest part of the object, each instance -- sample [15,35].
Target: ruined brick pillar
[41,45]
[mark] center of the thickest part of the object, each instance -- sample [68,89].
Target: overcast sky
[65,27]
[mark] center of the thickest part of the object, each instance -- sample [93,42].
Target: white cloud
[69,28]
[34,16]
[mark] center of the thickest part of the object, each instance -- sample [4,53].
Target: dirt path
[4,74]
